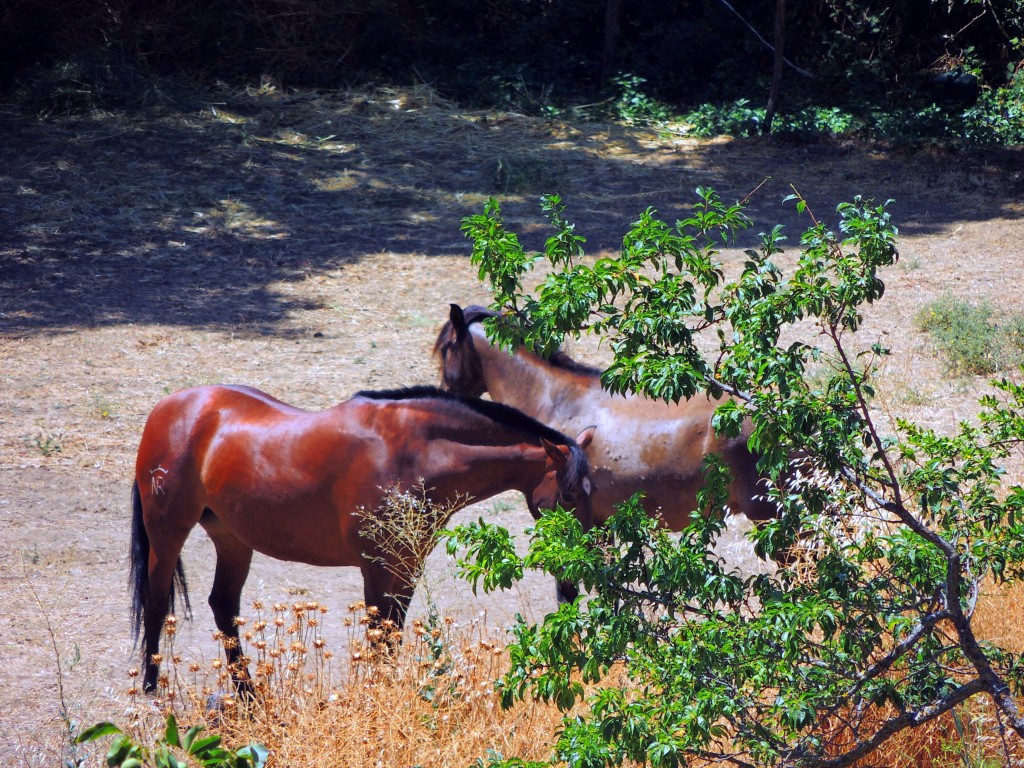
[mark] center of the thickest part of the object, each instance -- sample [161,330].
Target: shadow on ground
[197,219]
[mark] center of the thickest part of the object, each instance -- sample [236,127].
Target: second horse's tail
[138,575]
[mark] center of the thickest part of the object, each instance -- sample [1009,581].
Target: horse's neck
[531,385]
[492,469]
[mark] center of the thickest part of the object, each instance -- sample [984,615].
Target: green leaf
[205,744]
[97,731]
[256,754]
[171,732]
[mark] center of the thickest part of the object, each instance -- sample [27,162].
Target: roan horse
[640,444]
[261,475]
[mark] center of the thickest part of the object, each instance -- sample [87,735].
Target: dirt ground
[309,245]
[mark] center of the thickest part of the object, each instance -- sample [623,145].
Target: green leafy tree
[677,655]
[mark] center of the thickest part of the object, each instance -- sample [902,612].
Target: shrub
[970,336]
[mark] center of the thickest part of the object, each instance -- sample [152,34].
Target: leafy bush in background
[972,337]
[873,61]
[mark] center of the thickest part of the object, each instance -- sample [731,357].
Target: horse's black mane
[497,412]
[561,360]
[503,414]
[558,359]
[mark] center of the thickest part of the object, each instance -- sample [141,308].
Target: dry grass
[431,701]
[403,532]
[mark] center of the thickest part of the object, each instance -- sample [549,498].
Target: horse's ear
[458,319]
[585,437]
[557,453]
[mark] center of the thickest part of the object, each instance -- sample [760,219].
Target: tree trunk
[612,19]
[777,61]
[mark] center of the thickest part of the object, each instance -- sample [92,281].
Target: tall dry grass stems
[432,700]
[429,701]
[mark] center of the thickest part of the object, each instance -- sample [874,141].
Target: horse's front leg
[388,595]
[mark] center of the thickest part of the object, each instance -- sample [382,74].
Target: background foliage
[670,55]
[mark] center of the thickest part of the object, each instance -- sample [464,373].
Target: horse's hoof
[214,707]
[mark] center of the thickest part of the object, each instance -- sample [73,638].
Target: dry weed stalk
[402,533]
[432,701]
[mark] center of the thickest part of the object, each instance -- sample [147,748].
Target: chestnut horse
[640,444]
[260,475]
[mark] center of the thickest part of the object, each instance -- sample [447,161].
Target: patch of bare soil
[309,245]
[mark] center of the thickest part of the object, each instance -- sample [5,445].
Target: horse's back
[183,425]
[653,446]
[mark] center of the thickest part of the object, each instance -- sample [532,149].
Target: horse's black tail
[139,569]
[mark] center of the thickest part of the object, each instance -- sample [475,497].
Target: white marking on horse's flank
[157,480]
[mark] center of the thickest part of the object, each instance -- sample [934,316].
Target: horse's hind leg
[233,561]
[165,547]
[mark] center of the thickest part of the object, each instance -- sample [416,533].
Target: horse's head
[461,369]
[567,482]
